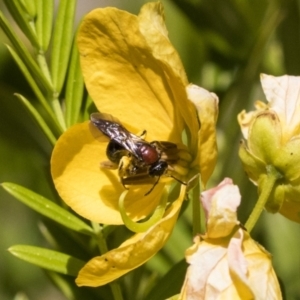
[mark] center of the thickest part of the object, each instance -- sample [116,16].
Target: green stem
[101,242]
[54,98]
[58,111]
[44,66]
[196,210]
[272,176]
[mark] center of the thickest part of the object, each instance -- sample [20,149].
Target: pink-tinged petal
[234,268]
[220,205]
[283,95]
[203,258]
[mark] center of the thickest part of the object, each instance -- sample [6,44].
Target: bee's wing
[102,116]
[111,127]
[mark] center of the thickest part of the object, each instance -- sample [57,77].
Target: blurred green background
[224,46]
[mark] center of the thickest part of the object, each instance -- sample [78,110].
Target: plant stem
[58,111]
[54,97]
[196,210]
[272,176]
[41,59]
[101,242]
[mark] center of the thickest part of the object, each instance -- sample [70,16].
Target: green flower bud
[272,144]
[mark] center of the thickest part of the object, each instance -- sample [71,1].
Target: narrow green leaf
[47,208]
[23,18]
[63,284]
[48,259]
[88,108]
[30,7]
[24,53]
[34,86]
[74,89]
[38,118]
[62,42]
[43,23]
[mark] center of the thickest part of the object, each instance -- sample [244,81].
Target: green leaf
[74,89]
[170,284]
[48,259]
[63,284]
[24,19]
[88,108]
[24,53]
[44,22]
[30,7]
[38,118]
[47,208]
[62,42]
[34,87]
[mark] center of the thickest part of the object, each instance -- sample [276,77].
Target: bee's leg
[124,168]
[107,164]
[153,186]
[142,134]
[124,186]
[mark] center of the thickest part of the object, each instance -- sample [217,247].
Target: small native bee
[138,161]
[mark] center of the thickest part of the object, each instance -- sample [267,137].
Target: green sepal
[47,208]
[253,166]
[287,160]
[48,259]
[38,118]
[62,42]
[74,88]
[265,136]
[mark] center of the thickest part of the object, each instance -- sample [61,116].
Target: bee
[138,161]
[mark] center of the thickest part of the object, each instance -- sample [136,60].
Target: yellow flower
[272,144]
[226,263]
[133,73]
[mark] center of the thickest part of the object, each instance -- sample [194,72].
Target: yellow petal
[132,253]
[152,26]
[261,275]
[157,37]
[207,107]
[93,192]
[122,75]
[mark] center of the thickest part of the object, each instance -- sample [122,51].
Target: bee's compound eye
[148,154]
